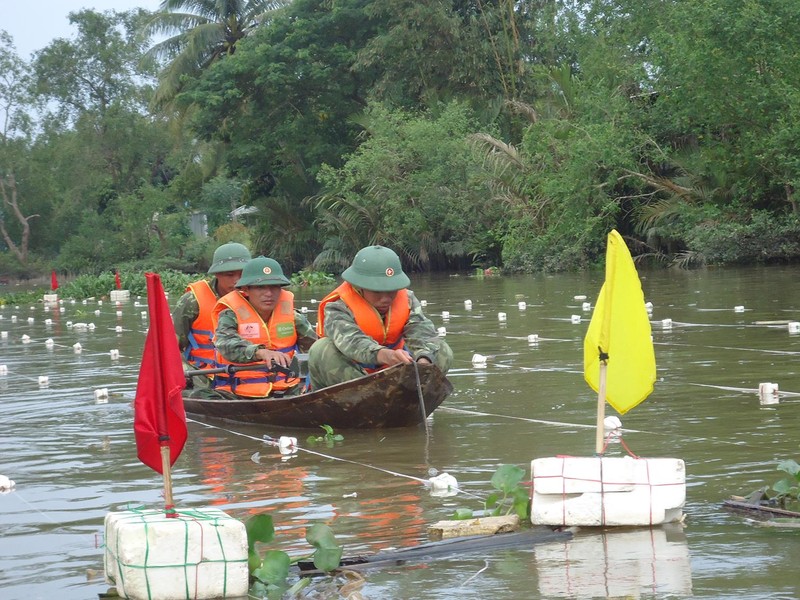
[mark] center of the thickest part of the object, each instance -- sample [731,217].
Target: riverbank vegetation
[462,134]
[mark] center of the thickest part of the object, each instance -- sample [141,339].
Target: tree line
[462,133]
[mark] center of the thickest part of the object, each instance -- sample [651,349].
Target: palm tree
[202,31]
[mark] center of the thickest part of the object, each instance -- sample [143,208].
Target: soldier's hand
[269,355]
[393,357]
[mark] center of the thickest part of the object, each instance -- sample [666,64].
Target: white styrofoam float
[120,295]
[201,553]
[606,491]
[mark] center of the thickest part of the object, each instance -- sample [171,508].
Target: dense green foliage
[463,134]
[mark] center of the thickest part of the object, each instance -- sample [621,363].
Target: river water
[73,456]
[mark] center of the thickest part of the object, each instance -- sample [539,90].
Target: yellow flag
[620,329]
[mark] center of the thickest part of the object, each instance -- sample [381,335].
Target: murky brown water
[74,460]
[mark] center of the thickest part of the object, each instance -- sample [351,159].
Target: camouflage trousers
[327,366]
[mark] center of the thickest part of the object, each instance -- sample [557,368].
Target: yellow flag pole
[601,409]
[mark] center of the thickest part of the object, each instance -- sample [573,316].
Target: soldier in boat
[372,321]
[257,324]
[192,313]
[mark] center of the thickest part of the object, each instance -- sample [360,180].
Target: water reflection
[616,563]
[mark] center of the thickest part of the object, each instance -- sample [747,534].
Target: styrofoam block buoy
[468,304]
[586,306]
[91,327]
[768,393]
[314,301]
[1,317]
[72,301]
[441,331]
[303,309]
[44,380]
[522,305]
[607,491]
[738,309]
[533,338]
[648,306]
[101,395]
[97,313]
[16,307]
[423,302]
[62,309]
[443,485]
[478,360]
[6,484]
[99,303]
[118,328]
[501,316]
[83,301]
[611,422]
[31,320]
[287,445]
[445,315]
[3,369]
[119,313]
[666,323]
[26,339]
[580,297]
[3,334]
[49,343]
[13,318]
[576,319]
[77,347]
[114,353]
[197,553]
[144,314]
[48,321]
[69,324]
[80,326]
[794,327]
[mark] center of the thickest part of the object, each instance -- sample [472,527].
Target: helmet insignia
[389,271]
[267,270]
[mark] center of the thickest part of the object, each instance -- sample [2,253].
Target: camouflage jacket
[421,338]
[186,312]
[237,349]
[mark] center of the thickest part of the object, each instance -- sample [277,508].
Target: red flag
[53,281]
[159,419]
[117,281]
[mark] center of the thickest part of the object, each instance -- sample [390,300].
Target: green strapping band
[140,514]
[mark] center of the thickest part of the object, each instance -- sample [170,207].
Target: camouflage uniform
[185,313]
[237,349]
[333,358]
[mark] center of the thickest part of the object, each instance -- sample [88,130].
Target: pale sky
[35,23]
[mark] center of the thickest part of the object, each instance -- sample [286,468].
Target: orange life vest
[200,351]
[278,333]
[386,330]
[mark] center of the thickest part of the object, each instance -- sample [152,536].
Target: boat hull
[388,398]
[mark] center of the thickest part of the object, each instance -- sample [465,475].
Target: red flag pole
[117,280]
[159,418]
[53,281]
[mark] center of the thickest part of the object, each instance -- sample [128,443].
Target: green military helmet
[262,271]
[378,269]
[229,257]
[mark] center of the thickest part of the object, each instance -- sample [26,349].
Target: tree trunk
[8,190]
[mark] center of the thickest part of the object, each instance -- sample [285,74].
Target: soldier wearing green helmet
[372,321]
[257,323]
[192,313]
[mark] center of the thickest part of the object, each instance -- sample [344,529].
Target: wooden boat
[387,398]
